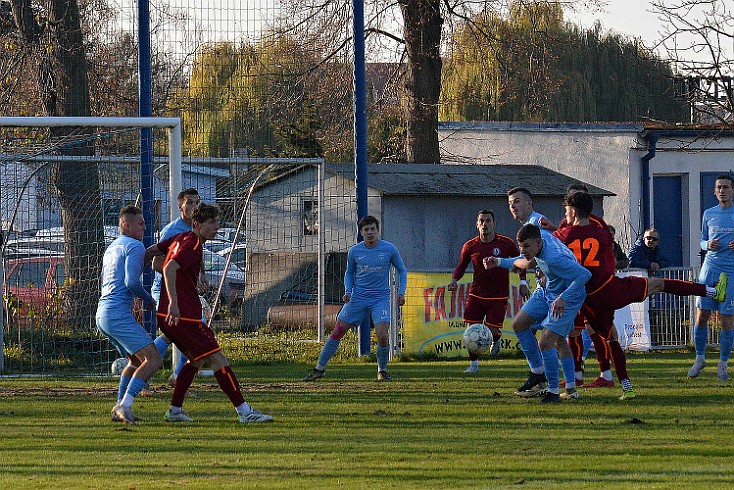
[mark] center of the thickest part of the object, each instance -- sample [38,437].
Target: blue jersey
[534,219]
[122,267]
[718,223]
[171,229]
[368,270]
[564,275]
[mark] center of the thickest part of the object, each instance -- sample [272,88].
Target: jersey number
[591,245]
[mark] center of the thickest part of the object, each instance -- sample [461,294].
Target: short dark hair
[130,210]
[205,212]
[368,220]
[576,187]
[726,177]
[527,232]
[187,192]
[581,201]
[486,211]
[515,190]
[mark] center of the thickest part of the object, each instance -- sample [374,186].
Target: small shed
[428,211]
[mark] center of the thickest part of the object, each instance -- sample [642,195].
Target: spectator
[622,260]
[645,253]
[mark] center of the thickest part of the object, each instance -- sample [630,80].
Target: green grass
[432,427]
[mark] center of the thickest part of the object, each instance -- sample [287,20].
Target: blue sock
[726,341]
[122,388]
[330,347]
[181,361]
[550,361]
[700,337]
[587,343]
[529,346]
[161,345]
[383,354]
[569,370]
[133,390]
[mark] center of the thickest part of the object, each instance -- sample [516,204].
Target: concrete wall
[430,231]
[601,157]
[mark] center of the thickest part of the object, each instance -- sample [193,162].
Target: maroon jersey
[592,246]
[593,219]
[186,249]
[487,283]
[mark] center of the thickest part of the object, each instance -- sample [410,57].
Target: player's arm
[570,269]
[349,276]
[397,262]
[169,274]
[460,269]
[706,243]
[133,272]
[546,224]
[156,255]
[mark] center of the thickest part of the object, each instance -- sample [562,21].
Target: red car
[33,281]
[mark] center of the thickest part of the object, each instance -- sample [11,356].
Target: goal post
[95,154]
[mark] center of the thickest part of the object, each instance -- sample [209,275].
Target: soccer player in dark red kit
[606,292]
[179,317]
[581,337]
[489,291]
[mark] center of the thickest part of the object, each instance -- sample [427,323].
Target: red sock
[602,351]
[229,385]
[183,382]
[684,288]
[577,351]
[620,361]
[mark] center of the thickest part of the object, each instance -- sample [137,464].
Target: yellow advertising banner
[433,315]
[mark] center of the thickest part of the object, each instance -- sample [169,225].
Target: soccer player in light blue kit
[188,201]
[122,267]
[556,305]
[367,291]
[717,238]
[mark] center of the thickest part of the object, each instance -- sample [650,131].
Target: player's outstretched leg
[327,352]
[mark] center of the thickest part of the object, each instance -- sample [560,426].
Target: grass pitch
[432,427]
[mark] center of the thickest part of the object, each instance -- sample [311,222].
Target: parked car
[238,253]
[34,280]
[233,289]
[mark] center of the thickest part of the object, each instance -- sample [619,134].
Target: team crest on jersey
[496,251]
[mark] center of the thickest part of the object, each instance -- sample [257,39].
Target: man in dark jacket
[645,253]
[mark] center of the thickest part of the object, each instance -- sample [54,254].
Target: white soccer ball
[477,338]
[118,365]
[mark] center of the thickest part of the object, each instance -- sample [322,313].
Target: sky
[631,17]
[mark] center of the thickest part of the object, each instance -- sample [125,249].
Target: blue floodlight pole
[360,141]
[145,108]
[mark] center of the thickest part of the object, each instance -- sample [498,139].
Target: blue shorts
[357,309]
[126,334]
[709,275]
[539,308]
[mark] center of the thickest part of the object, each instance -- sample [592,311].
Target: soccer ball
[118,365]
[477,338]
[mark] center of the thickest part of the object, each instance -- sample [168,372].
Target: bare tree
[50,35]
[412,33]
[698,38]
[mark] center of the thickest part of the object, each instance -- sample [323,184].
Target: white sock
[579,375]
[710,292]
[243,409]
[607,375]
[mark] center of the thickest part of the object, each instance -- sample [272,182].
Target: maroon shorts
[192,337]
[619,292]
[477,309]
